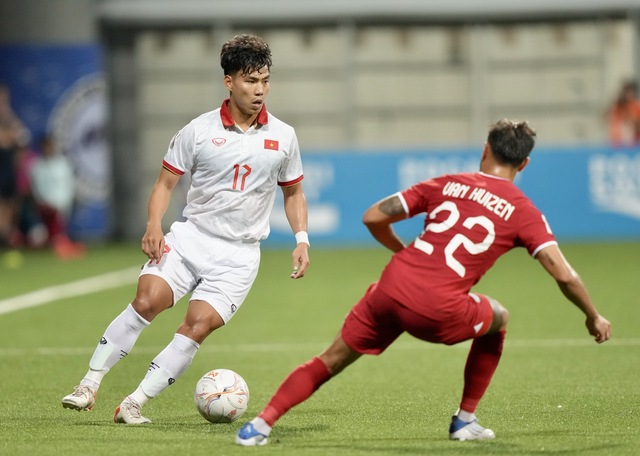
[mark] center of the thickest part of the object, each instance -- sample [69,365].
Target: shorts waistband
[204,232]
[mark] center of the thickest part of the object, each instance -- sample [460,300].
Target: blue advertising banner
[60,91]
[586,193]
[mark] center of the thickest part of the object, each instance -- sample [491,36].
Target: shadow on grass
[307,438]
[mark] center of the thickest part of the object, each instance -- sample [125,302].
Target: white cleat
[82,398]
[128,412]
[463,430]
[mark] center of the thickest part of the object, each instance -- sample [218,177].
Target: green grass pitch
[556,392]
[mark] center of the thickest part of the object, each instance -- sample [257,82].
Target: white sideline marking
[69,290]
[315,347]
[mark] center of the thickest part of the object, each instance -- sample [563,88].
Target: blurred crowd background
[92,91]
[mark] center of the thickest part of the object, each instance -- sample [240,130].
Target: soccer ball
[221,396]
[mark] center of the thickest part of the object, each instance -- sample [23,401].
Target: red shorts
[377,320]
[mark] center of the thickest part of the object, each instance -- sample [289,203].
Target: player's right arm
[153,239]
[379,217]
[574,289]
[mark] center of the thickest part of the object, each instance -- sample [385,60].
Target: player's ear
[228,82]
[524,164]
[485,152]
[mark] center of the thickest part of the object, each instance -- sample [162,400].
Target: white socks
[168,366]
[261,426]
[467,417]
[118,339]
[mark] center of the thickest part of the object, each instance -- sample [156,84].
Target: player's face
[248,91]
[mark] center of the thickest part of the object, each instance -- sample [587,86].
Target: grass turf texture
[555,392]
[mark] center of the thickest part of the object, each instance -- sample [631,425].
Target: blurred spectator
[13,135]
[30,232]
[624,117]
[52,185]
[7,189]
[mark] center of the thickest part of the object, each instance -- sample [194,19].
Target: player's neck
[243,120]
[504,172]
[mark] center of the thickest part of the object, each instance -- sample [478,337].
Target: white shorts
[215,270]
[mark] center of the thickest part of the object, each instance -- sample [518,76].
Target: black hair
[245,53]
[511,142]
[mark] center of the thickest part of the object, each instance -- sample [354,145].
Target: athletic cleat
[248,436]
[463,430]
[82,398]
[128,412]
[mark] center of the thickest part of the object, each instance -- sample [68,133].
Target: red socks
[482,362]
[301,383]
[304,380]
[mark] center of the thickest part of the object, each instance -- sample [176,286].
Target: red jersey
[471,220]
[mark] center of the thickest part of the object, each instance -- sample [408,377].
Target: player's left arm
[295,208]
[571,285]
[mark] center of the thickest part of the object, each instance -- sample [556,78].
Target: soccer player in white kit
[237,156]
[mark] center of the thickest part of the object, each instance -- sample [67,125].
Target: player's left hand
[300,257]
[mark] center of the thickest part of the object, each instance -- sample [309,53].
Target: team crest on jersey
[218,141]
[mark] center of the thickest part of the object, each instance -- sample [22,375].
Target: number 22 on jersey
[459,239]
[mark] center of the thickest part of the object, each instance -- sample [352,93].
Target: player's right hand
[600,328]
[153,244]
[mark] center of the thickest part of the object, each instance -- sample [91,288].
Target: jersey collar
[492,176]
[228,121]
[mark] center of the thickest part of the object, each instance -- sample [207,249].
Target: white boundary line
[314,347]
[70,290]
[130,275]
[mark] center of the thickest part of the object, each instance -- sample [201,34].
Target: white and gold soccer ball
[221,396]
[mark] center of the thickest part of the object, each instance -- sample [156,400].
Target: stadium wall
[586,193]
[138,38]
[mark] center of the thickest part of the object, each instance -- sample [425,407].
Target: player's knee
[505,317]
[152,297]
[197,331]
[197,326]
[144,306]
[500,316]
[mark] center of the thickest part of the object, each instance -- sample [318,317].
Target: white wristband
[302,236]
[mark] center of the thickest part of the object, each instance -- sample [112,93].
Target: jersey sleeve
[180,155]
[416,198]
[534,233]
[291,170]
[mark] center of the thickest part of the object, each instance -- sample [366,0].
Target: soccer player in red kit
[471,220]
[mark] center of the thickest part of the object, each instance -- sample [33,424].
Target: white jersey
[234,174]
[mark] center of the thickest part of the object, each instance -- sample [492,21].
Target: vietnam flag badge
[270,144]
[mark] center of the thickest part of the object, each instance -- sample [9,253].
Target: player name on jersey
[499,206]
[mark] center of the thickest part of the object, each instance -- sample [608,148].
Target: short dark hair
[511,142]
[245,53]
